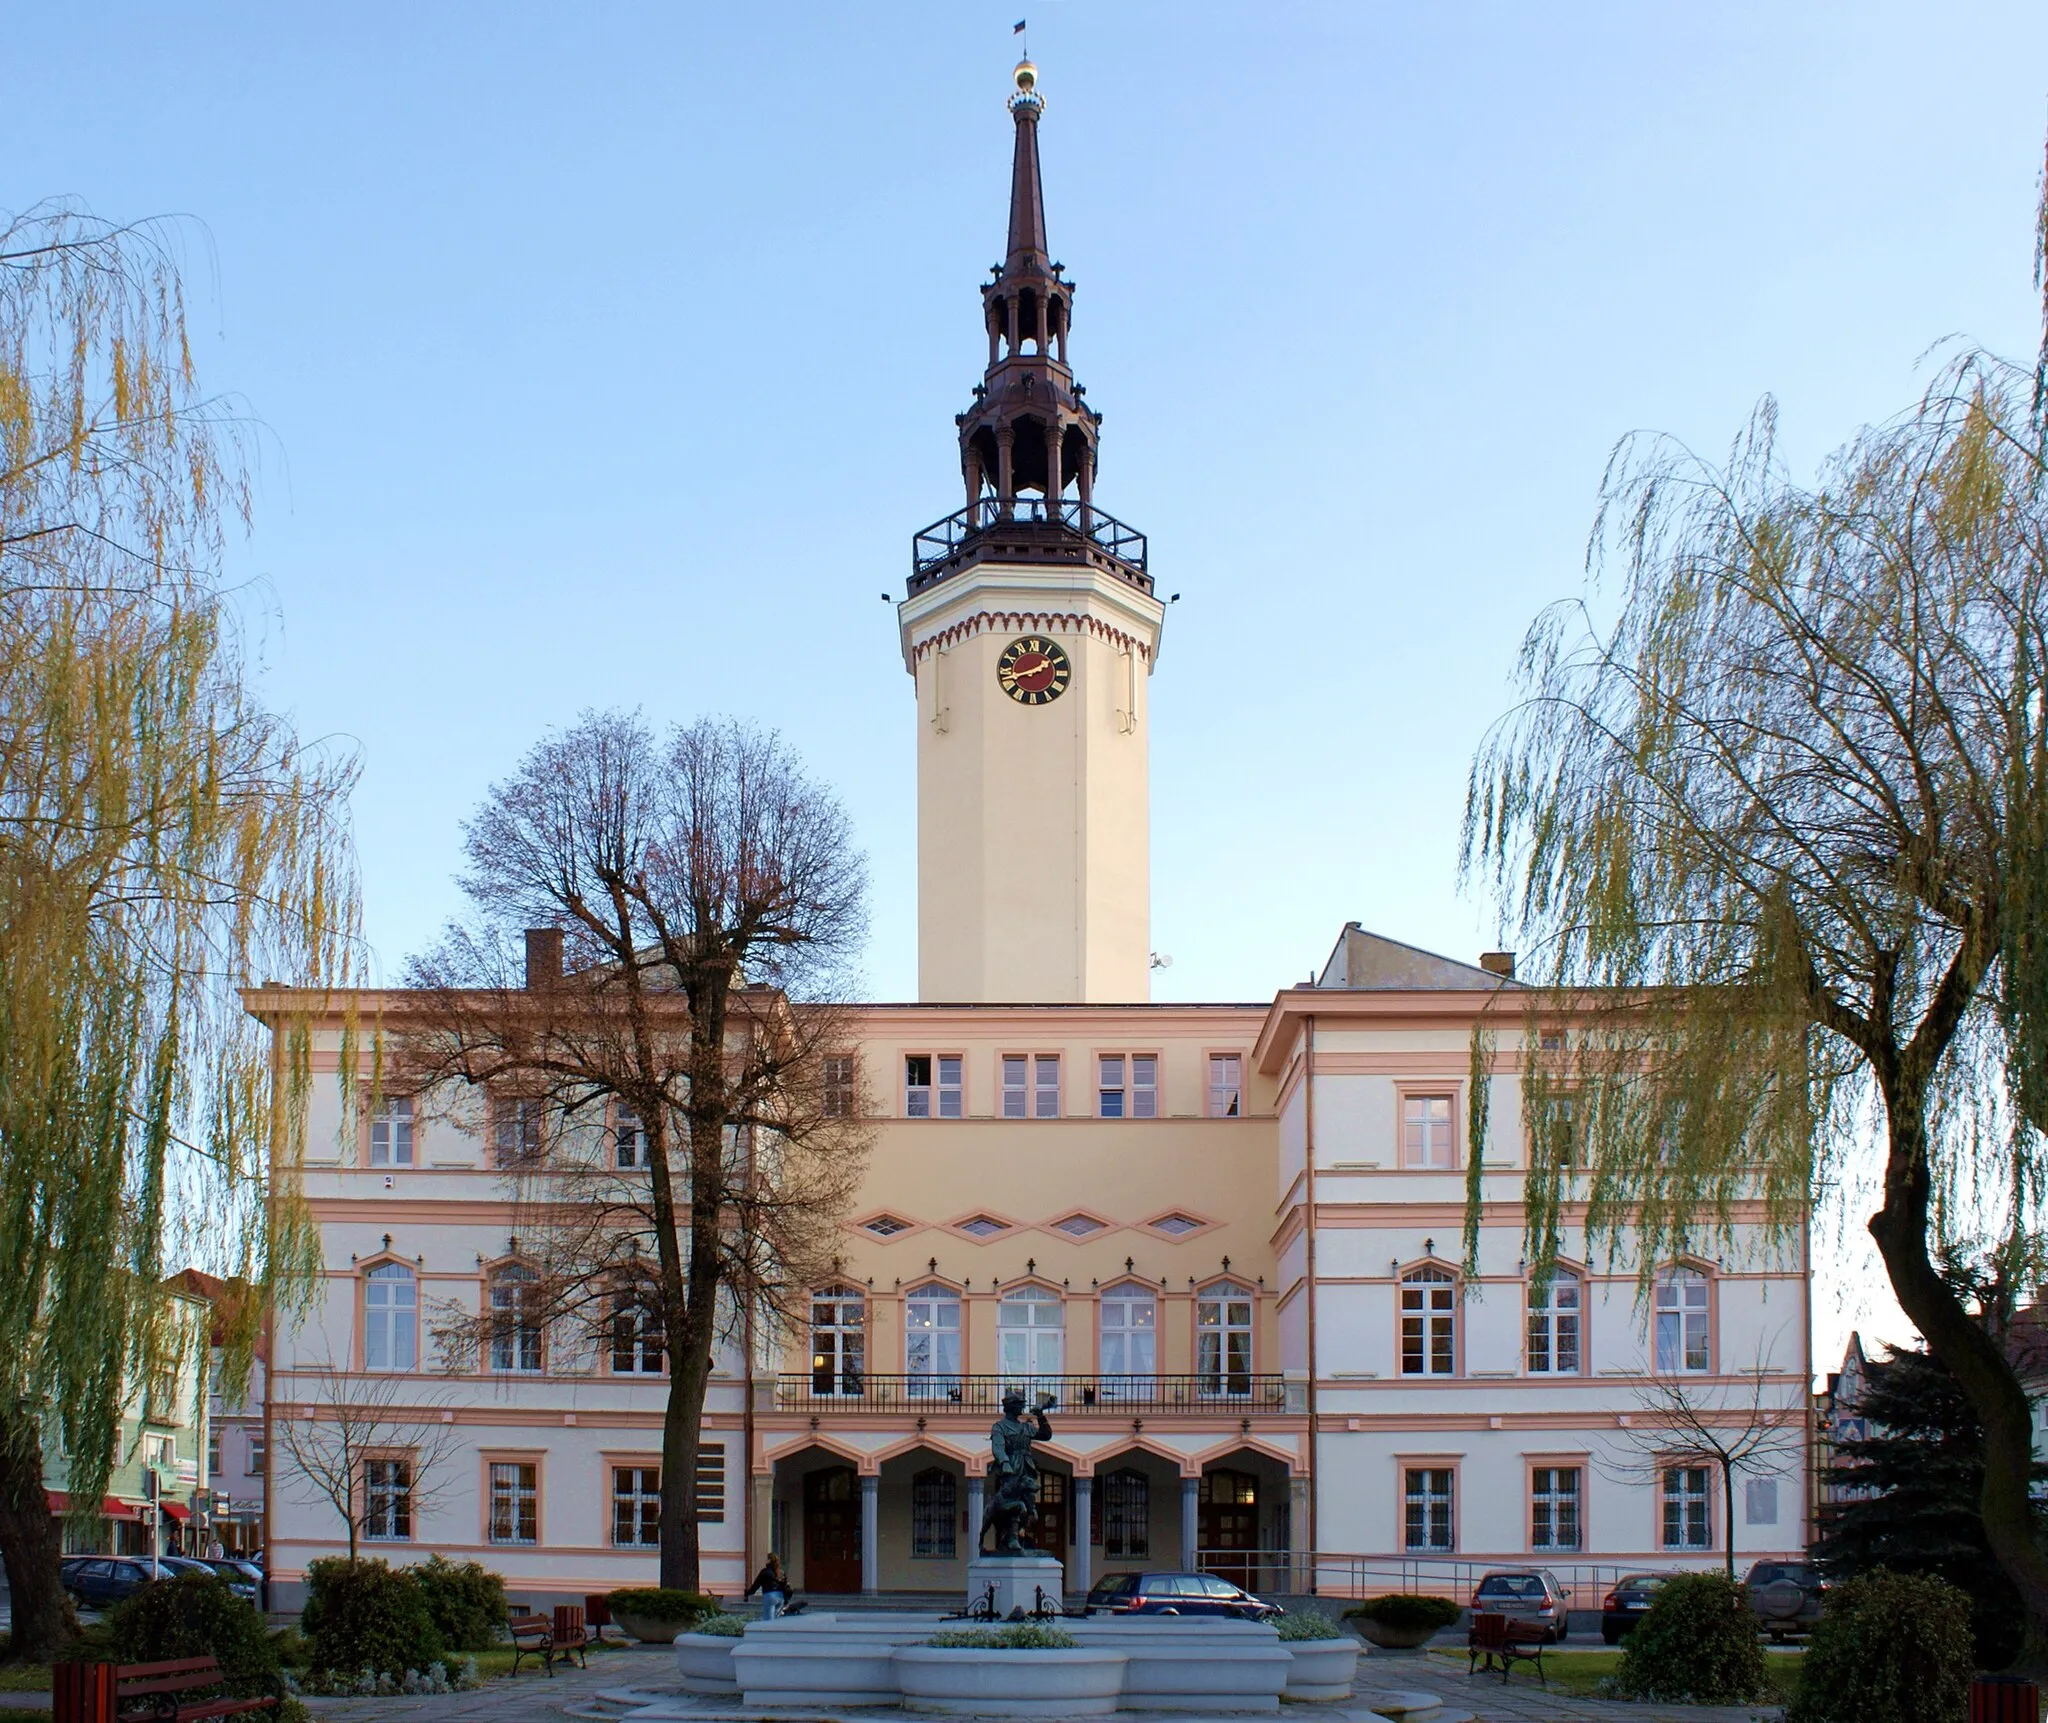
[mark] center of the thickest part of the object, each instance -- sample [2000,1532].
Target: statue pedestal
[1018,1581]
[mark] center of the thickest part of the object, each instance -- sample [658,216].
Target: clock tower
[1030,628]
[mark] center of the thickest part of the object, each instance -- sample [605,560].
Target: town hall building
[1228,1237]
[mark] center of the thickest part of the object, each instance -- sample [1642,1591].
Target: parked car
[100,1582]
[240,1581]
[1786,1596]
[1531,1594]
[1176,1594]
[1628,1603]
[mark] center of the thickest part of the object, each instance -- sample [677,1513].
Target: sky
[607,356]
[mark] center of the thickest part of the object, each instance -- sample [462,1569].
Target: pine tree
[1919,1475]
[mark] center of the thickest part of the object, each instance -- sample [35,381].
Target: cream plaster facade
[1033,842]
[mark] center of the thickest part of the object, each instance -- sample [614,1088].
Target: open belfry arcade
[1228,1238]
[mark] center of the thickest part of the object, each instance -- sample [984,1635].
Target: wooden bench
[532,1636]
[1501,1641]
[571,1633]
[170,1692]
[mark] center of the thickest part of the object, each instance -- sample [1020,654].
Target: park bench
[170,1692]
[1500,1641]
[533,1636]
[572,1634]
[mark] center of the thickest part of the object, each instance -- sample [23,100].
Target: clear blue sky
[609,355]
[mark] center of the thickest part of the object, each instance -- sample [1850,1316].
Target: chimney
[1493,962]
[543,956]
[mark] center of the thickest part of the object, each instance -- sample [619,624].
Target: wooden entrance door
[1229,1521]
[1047,1528]
[832,1530]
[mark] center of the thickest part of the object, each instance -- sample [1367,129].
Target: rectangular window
[711,1483]
[212,1453]
[258,1454]
[1684,1328]
[1554,1326]
[1427,1505]
[1226,1085]
[1760,1501]
[515,1130]
[1016,1086]
[636,1507]
[1109,1087]
[1429,1323]
[838,1097]
[158,1451]
[934,1513]
[1045,1086]
[1554,1508]
[629,1142]
[1127,1088]
[1124,1500]
[931,1086]
[391,1132]
[388,1499]
[515,1503]
[1686,1519]
[638,1343]
[1426,1132]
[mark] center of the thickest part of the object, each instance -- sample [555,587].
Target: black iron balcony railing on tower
[1029,526]
[982,1396]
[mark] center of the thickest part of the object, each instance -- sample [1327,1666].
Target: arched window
[1031,1335]
[1429,1323]
[931,1341]
[391,1318]
[639,1346]
[1684,1322]
[838,1341]
[1130,1339]
[1554,1308]
[515,1320]
[1223,1338]
[934,1513]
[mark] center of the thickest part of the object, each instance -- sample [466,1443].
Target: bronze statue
[1013,1473]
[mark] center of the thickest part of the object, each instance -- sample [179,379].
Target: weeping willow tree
[163,841]
[1777,831]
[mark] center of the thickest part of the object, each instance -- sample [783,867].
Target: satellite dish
[1161,961]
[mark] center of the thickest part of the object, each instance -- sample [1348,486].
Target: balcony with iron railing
[982,1396]
[1062,529]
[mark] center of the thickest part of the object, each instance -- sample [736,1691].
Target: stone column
[1006,436]
[870,1534]
[1300,1562]
[1080,1571]
[974,1511]
[1190,1520]
[1054,484]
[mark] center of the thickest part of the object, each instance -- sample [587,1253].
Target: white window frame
[629,1139]
[257,1464]
[839,1098]
[514,1501]
[1429,1316]
[517,1137]
[1553,1502]
[1045,1085]
[1685,1502]
[941,1093]
[1684,1322]
[931,1341]
[391,1318]
[391,1132]
[1429,1142]
[636,1507]
[1016,1098]
[1031,1337]
[637,1336]
[1226,1085]
[515,1345]
[1127,1316]
[839,1342]
[1225,1321]
[1429,1503]
[387,1498]
[1556,1329]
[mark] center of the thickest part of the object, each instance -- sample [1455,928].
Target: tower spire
[1027,253]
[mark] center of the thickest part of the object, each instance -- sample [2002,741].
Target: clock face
[1034,670]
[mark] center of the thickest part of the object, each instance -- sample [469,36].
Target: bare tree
[1735,1428]
[353,1422]
[644,994]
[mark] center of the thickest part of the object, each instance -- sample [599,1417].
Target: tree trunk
[1971,1356]
[44,1622]
[682,1426]
[1728,1511]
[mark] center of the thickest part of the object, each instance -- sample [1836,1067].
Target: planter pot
[1392,1638]
[705,1660]
[1079,1683]
[651,1630]
[1323,1668]
[781,1670]
[1194,1664]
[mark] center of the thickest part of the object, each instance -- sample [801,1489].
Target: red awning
[177,1510]
[111,1507]
[57,1501]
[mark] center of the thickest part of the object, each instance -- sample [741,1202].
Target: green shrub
[656,1603]
[722,1626]
[466,1600]
[1889,1648]
[195,1615]
[1023,1636]
[1309,1624]
[1404,1609]
[292,1647]
[364,1615]
[1697,1645]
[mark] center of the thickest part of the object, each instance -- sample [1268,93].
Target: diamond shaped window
[1177,1225]
[885,1226]
[983,1226]
[1078,1226]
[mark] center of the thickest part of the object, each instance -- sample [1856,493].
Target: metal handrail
[1330,1573]
[944,539]
[981,1396]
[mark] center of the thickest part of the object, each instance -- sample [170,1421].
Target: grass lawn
[1579,1673]
[35,1677]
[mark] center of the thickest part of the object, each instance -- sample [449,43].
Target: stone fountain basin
[1086,1682]
[1194,1664]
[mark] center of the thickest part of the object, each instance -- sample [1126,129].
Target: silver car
[1531,1594]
